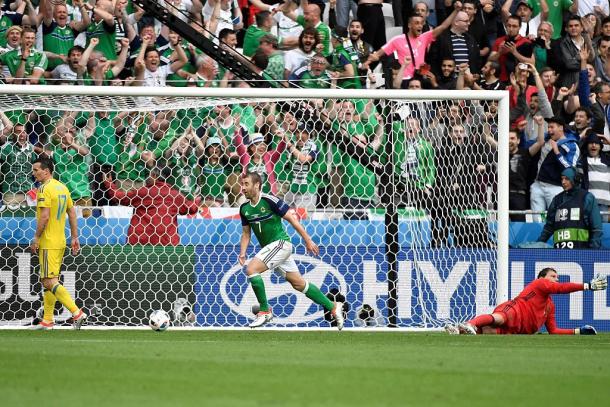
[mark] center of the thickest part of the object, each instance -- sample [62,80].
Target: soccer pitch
[263,368]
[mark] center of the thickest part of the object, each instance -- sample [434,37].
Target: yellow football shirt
[54,195]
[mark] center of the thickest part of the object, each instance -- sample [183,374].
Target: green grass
[258,368]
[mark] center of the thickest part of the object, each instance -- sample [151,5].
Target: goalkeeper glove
[585,330]
[598,283]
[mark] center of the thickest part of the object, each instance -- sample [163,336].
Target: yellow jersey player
[53,203]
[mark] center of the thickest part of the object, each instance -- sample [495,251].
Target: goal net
[402,191]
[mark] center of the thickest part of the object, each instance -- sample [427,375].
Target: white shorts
[277,256]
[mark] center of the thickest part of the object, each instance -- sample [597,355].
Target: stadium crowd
[552,57]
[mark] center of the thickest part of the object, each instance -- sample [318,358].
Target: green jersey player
[264,214]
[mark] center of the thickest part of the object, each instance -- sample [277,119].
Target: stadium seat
[391,32]
[388,14]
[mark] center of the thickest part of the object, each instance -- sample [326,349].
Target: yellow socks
[64,297]
[48,300]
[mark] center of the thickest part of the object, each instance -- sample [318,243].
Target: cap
[213,140]
[524,3]
[339,33]
[256,138]
[271,39]
[593,138]
[555,119]
[569,173]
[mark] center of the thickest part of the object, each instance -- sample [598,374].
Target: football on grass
[159,320]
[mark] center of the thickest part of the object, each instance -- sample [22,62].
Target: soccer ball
[159,320]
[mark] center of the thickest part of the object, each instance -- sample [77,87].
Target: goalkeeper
[532,308]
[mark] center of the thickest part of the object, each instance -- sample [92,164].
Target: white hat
[256,138]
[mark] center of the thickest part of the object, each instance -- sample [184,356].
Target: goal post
[406,192]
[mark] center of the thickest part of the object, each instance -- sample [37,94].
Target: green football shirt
[36,60]
[72,170]
[57,40]
[265,218]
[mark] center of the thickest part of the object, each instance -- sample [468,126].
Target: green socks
[313,293]
[256,281]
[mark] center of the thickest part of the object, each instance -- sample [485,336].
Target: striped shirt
[460,49]
[599,180]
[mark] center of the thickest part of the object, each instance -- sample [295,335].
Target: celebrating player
[532,308]
[264,214]
[53,203]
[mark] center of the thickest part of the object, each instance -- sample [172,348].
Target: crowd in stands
[552,57]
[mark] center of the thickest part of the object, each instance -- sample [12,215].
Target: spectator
[131,171]
[414,43]
[312,16]
[478,23]
[359,181]
[101,137]
[592,7]
[601,106]
[489,79]
[156,209]
[344,61]
[371,15]
[529,23]
[560,151]
[229,16]
[96,69]
[314,76]
[67,73]
[573,217]
[582,122]
[275,67]
[343,9]
[601,59]
[566,53]
[447,78]
[303,153]
[519,164]
[25,64]
[538,102]
[147,32]
[542,46]
[103,28]
[414,164]
[422,10]
[556,10]
[9,19]
[16,157]
[594,169]
[205,75]
[511,49]
[213,173]
[182,157]
[59,35]
[455,206]
[70,158]
[299,57]
[149,71]
[257,158]
[456,44]
[264,23]
[362,48]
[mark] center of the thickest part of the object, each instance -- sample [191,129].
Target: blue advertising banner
[442,285]
[575,309]
[436,289]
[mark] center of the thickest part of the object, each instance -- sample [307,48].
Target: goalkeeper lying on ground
[532,308]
